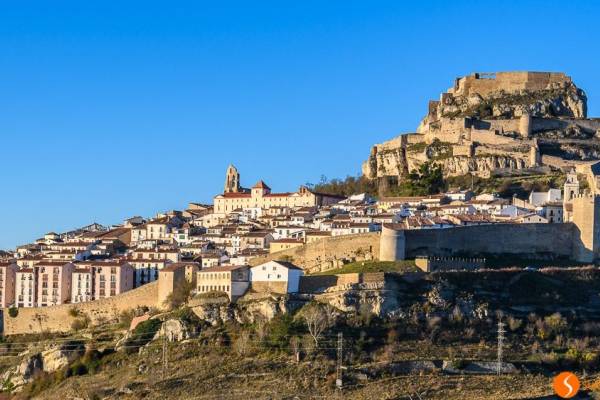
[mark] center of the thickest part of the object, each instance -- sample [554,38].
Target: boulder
[62,355]
[176,330]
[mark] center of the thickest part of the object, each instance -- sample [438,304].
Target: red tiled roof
[261,185]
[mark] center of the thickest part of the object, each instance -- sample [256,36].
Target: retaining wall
[59,318]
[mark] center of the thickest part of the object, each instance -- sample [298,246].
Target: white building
[551,196]
[276,276]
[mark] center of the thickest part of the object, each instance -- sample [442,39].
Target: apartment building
[53,283]
[7,283]
[112,278]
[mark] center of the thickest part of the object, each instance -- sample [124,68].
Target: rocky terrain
[504,123]
[432,334]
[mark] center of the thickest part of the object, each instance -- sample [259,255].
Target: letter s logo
[566,385]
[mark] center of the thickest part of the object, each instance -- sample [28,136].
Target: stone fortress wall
[59,318]
[328,253]
[527,240]
[514,81]
[578,240]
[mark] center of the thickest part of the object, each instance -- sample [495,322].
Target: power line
[501,338]
[340,356]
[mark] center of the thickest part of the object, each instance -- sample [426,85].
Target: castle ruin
[506,123]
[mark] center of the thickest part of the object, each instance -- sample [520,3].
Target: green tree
[428,179]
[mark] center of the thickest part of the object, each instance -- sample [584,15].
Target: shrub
[125,318]
[78,368]
[556,323]
[458,363]
[91,361]
[142,334]
[281,328]
[13,312]
[80,323]
[514,323]
[74,312]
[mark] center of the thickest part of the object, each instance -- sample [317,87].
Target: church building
[235,197]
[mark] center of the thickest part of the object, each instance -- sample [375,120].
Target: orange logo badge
[566,385]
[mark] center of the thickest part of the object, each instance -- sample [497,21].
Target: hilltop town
[96,262]
[338,292]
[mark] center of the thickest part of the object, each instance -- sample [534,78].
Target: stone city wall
[522,239]
[525,240]
[507,81]
[319,283]
[328,253]
[59,318]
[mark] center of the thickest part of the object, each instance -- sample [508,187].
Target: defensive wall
[319,283]
[527,240]
[484,84]
[328,253]
[60,318]
[433,264]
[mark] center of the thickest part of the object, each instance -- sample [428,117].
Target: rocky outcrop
[14,379]
[176,330]
[491,123]
[251,308]
[58,357]
[482,164]
[50,360]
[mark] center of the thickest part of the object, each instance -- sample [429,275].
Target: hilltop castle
[500,123]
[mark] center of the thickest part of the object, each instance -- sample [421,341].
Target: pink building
[82,284]
[26,287]
[53,282]
[8,272]
[112,278]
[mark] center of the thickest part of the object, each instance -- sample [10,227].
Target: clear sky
[110,109]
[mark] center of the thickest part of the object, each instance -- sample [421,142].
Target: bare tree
[316,321]
[296,345]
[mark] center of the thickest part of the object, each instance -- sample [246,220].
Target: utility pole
[501,338]
[340,357]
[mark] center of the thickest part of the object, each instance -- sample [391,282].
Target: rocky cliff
[496,123]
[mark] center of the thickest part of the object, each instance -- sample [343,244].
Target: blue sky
[110,109]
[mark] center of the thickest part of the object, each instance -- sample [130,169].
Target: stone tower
[525,125]
[586,234]
[392,244]
[534,154]
[232,180]
[571,187]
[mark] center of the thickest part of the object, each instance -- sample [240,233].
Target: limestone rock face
[176,330]
[486,164]
[250,309]
[60,356]
[494,123]
[24,373]
[50,360]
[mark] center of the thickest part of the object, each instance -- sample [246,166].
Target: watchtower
[586,235]
[392,244]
